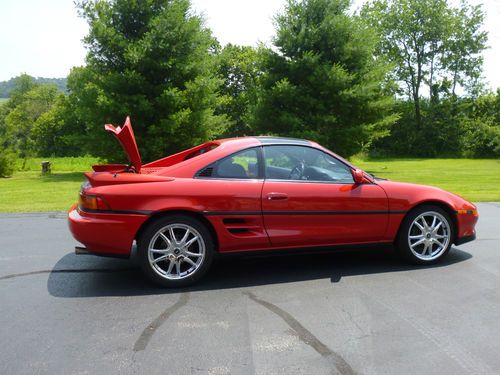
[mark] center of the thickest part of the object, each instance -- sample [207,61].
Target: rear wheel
[426,235]
[175,251]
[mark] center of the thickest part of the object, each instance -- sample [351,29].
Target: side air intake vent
[207,172]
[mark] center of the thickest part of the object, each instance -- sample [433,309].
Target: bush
[480,139]
[7,163]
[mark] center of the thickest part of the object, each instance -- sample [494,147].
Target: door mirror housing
[359,176]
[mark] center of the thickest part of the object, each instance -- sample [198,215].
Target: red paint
[125,136]
[248,214]
[319,227]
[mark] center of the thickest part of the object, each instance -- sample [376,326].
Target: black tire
[158,270]
[409,232]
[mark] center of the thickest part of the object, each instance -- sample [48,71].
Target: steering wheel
[297,172]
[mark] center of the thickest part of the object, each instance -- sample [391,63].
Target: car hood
[125,136]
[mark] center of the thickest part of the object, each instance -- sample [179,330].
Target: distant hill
[6,86]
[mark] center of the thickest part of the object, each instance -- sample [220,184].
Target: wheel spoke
[434,218]
[172,234]
[439,243]
[424,222]
[178,268]
[419,226]
[185,237]
[440,236]
[426,246]
[160,251]
[431,246]
[189,261]
[190,242]
[170,266]
[419,242]
[191,254]
[165,238]
[416,237]
[437,227]
[159,259]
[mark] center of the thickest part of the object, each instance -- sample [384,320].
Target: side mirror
[358,176]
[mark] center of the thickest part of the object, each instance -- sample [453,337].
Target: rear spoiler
[106,178]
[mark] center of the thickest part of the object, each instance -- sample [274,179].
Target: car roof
[267,140]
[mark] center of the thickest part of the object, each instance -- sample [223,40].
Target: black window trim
[304,181]
[260,167]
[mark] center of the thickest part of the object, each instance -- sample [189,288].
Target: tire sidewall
[402,240]
[152,228]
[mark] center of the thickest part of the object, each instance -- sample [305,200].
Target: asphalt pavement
[360,312]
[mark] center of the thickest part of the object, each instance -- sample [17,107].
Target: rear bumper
[109,234]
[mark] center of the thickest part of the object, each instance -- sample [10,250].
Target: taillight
[92,202]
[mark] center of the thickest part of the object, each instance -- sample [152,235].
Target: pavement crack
[149,331]
[69,270]
[306,336]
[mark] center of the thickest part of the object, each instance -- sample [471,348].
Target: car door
[231,188]
[309,198]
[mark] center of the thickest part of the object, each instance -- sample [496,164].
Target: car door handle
[277,196]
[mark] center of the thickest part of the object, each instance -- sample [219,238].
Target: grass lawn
[3,100]
[28,191]
[477,180]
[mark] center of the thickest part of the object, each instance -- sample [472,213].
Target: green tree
[480,126]
[54,133]
[153,60]
[7,161]
[430,43]
[322,82]
[25,109]
[21,86]
[462,59]
[7,155]
[239,67]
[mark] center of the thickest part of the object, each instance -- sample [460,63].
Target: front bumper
[466,223]
[105,233]
[465,239]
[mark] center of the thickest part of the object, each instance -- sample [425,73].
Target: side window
[304,163]
[242,164]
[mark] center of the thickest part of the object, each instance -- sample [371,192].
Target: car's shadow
[90,276]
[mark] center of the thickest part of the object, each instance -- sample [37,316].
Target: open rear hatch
[125,136]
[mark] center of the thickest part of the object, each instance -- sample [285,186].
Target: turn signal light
[92,202]
[467,212]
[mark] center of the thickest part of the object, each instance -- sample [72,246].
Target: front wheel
[175,251]
[426,235]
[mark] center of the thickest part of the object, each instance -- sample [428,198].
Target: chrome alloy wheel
[176,251]
[429,235]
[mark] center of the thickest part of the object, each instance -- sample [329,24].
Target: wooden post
[45,167]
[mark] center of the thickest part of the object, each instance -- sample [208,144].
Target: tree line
[7,86]
[397,78]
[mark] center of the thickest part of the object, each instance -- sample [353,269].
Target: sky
[43,38]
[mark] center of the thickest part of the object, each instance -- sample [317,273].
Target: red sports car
[255,193]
